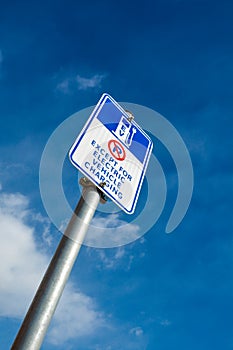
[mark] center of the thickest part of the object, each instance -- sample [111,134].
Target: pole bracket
[87,183]
[130,116]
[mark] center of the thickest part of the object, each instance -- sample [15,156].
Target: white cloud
[21,264]
[70,84]
[89,83]
[98,347]
[111,231]
[114,231]
[22,267]
[77,315]
[111,260]
[14,204]
[118,258]
[64,86]
[137,331]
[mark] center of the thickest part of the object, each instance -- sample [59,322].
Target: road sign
[113,149]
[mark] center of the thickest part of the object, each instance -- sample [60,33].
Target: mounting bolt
[130,116]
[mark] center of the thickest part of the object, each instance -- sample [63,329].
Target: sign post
[112,151]
[40,313]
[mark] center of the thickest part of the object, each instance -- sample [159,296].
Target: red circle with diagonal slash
[116,150]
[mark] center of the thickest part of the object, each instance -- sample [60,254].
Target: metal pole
[39,315]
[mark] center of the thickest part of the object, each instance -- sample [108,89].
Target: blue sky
[162,291]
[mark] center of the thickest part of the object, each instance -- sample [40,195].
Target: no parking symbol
[116,149]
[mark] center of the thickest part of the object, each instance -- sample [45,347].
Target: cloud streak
[137,331]
[81,83]
[111,230]
[89,83]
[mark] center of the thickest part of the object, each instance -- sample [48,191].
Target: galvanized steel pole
[39,315]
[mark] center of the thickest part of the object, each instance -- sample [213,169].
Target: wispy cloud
[78,82]
[110,261]
[111,231]
[64,86]
[23,264]
[121,257]
[137,331]
[90,83]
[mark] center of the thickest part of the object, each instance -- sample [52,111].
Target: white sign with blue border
[113,150]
